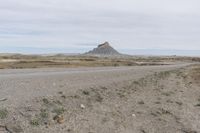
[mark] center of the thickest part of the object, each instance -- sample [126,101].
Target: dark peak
[104,50]
[105,44]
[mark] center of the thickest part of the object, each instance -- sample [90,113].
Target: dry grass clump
[195,74]
[35,122]
[3,113]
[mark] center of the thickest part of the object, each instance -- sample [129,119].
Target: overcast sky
[78,25]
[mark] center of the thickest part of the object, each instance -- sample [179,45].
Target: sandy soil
[140,99]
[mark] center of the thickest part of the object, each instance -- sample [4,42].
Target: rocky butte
[104,50]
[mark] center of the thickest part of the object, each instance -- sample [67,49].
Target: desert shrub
[3,113]
[44,113]
[59,110]
[35,122]
[45,101]
[86,92]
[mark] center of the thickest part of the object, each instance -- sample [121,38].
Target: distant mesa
[104,50]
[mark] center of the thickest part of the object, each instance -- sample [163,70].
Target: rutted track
[19,86]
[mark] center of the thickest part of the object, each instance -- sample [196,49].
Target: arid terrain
[18,61]
[152,96]
[109,66]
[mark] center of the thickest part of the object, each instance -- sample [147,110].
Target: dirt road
[26,84]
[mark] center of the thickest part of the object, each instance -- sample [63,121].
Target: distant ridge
[104,50]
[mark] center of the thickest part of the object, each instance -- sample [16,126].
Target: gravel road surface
[21,85]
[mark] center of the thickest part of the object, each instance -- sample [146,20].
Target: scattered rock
[60,92]
[59,118]
[133,115]
[179,103]
[143,131]
[82,106]
[141,102]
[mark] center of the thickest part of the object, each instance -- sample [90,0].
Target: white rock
[82,106]
[133,115]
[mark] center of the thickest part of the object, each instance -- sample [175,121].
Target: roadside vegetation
[18,61]
[3,113]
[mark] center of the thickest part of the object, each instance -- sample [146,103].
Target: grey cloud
[127,24]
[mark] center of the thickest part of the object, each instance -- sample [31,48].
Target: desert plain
[86,94]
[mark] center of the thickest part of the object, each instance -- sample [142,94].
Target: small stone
[82,106]
[141,102]
[60,119]
[133,115]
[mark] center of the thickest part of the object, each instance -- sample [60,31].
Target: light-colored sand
[8,60]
